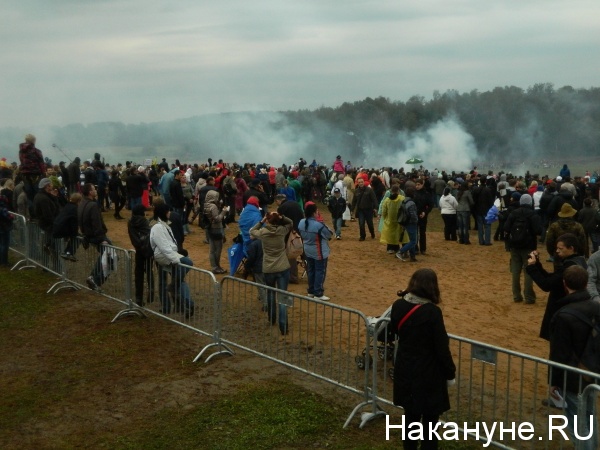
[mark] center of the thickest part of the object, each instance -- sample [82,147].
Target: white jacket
[448,204]
[163,244]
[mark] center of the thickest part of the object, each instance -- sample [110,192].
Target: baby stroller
[383,339]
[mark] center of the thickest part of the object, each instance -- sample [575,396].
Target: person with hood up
[216,234]
[276,266]
[249,217]
[139,234]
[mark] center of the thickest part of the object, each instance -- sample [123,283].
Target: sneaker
[323,298]
[372,235]
[390,252]
[338,237]
[362,239]
[400,256]
[310,295]
[91,283]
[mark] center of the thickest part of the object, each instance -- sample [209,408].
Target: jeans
[582,423]
[410,246]
[337,223]
[316,270]
[177,288]
[484,231]
[280,281]
[365,215]
[464,220]
[134,201]
[518,263]
[4,246]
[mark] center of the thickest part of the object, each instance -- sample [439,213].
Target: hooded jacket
[273,240]
[213,212]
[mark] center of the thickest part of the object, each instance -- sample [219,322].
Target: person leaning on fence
[66,226]
[423,368]
[94,231]
[568,338]
[6,225]
[138,228]
[276,266]
[253,264]
[45,210]
[168,259]
[567,255]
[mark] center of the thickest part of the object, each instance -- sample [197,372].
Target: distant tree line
[540,121]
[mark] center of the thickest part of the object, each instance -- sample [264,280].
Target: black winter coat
[423,360]
[552,283]
[535,226]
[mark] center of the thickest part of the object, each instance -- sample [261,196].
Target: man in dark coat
[422,199]
[568,338]
[365,206]
[46,209]
[483,197]
[32,168]
[256,189]
[74,171]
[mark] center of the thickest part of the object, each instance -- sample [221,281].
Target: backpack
[519,234]
[228,189]
[294,246]
[403,216]
[590,358]
[146,247]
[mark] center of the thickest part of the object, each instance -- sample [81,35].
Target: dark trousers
[365,216]
[428,422]
[143,266]
[449,226]
[422,241]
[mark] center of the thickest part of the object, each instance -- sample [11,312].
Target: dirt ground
[475,281]
[476,301]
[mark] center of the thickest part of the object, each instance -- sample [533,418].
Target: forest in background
[504,124]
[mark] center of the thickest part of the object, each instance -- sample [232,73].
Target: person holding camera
[215,231]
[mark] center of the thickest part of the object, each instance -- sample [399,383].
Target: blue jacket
[315,236]
[248,218]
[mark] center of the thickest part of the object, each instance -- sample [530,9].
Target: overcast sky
[67,61]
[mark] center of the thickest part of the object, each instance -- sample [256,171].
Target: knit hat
[253,201]
[559,178]
[138,210]
[44,182]
[567,210]
[515,195]
[525,200]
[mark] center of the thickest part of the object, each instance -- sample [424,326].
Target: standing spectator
[423,368]
[291,209]
[138,228]
[229,190]
[588,218]
[8,191]
[566,223]
[215,216]
[249,217]
[135,184]
[365,206]
[410,227]
[315,236]
[568,339]
[337,206]
[6,225]
[32,168]
[66,226]
[593,269]
[520,251]
[253,264]
[275,262]
[438,189]
[448,206]
[116,192]
[176,193]
[338,165]
[392,230]
[484,199]
[102,184]
[463,213]
[46,209]
[422,199]
[567,255]
[74,172]
[349,185]
[241,187]
[169,257]
[94,231]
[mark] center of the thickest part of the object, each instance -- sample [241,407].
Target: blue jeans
[484,231]
[464,220]
[410,246]
[134,201]
[337,223]
[4,246]
[316,270]
[178,288]
[571,412]
[279,280]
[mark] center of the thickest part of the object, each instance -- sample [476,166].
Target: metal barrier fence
[493,386]
[327,341]
[317,338]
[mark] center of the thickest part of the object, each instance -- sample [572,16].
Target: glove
[451,382]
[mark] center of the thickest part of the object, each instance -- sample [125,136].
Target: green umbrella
[414,160]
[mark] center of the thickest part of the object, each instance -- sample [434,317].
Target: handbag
[346,215]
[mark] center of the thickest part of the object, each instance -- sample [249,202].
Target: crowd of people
[270,205]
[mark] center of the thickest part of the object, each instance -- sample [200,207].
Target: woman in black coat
[423,368]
